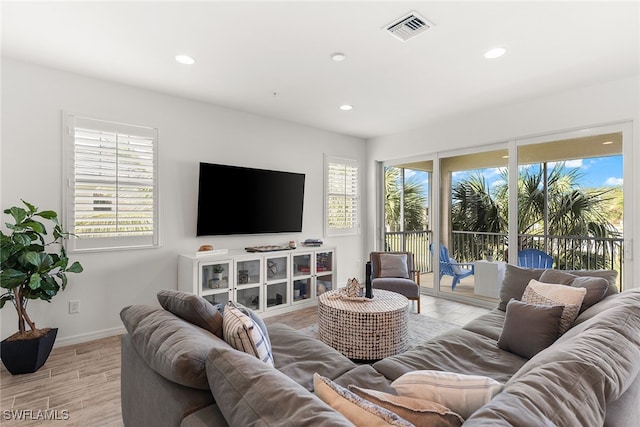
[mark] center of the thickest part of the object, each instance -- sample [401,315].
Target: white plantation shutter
[342,196]
[112,189]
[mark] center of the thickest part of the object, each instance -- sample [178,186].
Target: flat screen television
[240,200]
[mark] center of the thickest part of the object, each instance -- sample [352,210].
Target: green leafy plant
[31,267]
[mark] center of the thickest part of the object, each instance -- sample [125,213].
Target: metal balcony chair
[394,271]
[534,258]
[453,268]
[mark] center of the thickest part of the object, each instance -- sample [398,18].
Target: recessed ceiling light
[346,107]
[185,59]
[338,56]
[506,156]
[607,143]
[496,52]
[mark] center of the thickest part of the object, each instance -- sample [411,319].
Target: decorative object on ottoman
[368,287]
[29,272]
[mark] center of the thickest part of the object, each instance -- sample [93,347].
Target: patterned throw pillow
[552,294]
[359,411]
[243,334]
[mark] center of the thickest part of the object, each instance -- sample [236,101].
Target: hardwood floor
[80,384]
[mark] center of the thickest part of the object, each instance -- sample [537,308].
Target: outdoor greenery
[572,209]
[573,212]
[415,202]
[580,227]
[32,268]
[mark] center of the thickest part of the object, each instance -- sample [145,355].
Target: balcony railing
[568,252]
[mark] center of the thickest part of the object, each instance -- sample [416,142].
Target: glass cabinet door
[302,267]
[215,277]
[249,283]
[277,281]
[324,272]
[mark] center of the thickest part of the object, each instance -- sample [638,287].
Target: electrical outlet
[74,306]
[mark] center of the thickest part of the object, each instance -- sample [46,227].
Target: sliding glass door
[465,214]
[407,220]
[571,201]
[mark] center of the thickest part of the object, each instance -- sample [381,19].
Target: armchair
[394,271]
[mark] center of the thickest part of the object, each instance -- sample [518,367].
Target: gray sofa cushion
[192,308]
[529,328]
[406,287]
[365,376]
[298,356]
[458,351]
[250,393]
[148,398]
[173,347]
[516,280]
[592,365]
[488,325]
[596,287]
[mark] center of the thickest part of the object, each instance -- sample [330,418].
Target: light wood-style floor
[80,384]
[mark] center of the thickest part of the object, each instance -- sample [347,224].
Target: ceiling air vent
[408,26]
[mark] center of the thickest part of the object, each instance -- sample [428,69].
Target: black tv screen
[239,200]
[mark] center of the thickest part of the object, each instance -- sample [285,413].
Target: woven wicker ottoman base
[364,330]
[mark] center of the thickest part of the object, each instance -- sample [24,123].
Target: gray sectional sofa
[177,374]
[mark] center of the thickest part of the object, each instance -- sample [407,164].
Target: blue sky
[597,172]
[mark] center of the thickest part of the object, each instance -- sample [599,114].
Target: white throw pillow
[243,334]
[463,394]
[552,294]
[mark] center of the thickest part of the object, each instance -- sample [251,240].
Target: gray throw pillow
[192,308]
[394,265]
[596,287]
[515,282]
[529,328]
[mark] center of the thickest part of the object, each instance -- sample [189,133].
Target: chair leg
[418,304]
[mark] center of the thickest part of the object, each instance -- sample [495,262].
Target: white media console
[267,282]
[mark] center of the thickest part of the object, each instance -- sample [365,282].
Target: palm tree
[415,202]
[572,210]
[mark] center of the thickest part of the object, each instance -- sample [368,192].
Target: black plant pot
[27,356]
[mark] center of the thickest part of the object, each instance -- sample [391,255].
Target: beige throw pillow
[461,393]
[359,411]
[552,294]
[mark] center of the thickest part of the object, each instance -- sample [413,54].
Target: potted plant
[31,269]
[217,272]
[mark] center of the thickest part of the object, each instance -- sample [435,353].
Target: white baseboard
[90,336]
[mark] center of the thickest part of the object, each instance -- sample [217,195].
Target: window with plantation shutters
[111,189]
[342,196]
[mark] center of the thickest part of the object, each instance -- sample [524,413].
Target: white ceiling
[247,51]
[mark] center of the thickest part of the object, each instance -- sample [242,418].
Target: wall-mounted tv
[240,200]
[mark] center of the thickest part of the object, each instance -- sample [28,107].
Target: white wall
[576,109]
[33,99]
